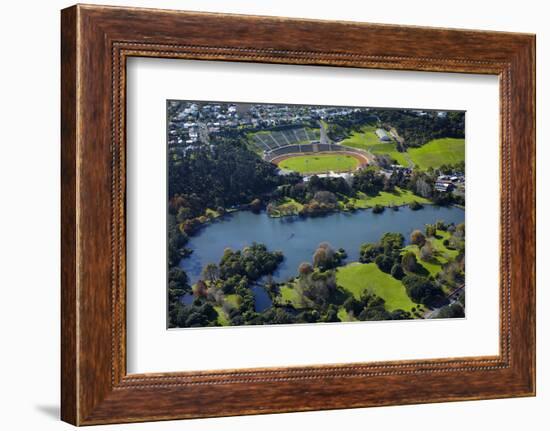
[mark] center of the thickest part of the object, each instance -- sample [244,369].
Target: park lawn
[438,152]
[442,254]
[433,266]
[212,213]
[343,315]
[438,244]
[233,299]
[223,320]
[358,278]
[399,197]
[290,294]
[364,140]
[320,163]
[280,210]
[367,140]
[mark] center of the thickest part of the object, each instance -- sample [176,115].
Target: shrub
[377,209]
[414,205]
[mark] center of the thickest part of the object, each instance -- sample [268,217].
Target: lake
[298,238]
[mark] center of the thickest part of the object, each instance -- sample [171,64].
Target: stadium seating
[298,140]
[271,142]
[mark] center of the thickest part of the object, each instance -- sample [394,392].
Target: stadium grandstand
[282,144]
[268,141]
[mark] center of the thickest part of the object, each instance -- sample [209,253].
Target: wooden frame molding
[95,42]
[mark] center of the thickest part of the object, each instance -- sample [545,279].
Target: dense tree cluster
[368,181]
[252,262]
[422,290]
[326,257]
[386,253]
[453,310]
[417,129]
[221,175]
[341,127]
[372,307]
[235,274]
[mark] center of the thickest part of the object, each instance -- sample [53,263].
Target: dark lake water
[298,237]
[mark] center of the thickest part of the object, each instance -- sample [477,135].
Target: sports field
[446,151]
[318,163]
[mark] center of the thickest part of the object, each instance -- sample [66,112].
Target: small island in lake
[281,214]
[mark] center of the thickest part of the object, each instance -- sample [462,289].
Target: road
[452,297]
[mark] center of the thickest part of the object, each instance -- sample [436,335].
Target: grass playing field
[320,163]
[399,197]
[358,277]
[438,152]
[367,140]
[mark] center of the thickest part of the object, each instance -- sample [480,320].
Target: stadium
[308,151]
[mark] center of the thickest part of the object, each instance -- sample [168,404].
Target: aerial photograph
[286,214]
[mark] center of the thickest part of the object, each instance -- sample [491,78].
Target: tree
[384,262]
[397,271]
[305,268]
[325,257]
[184,213]
[352,305]
[211,272]
[418,238]
[392,240]
[460,230]
[422,290]
[423,188]
[200,289]
[426,252]
[408,261]
[320,257]
[256,205]
[414,205]
[450,311]
[377,209]
[431,230]
[369,252]
[325,197]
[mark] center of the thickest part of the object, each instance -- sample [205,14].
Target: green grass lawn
[433,154]
[441,256]
[320,163]
[399,197]
[232,299]
[364,140]
[222,317]
[438,152]
[285,206]
[357,278]
[367,140]
[212,213]
[290,294]
[343,315]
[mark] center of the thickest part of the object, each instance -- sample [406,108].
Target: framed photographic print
[267,215]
